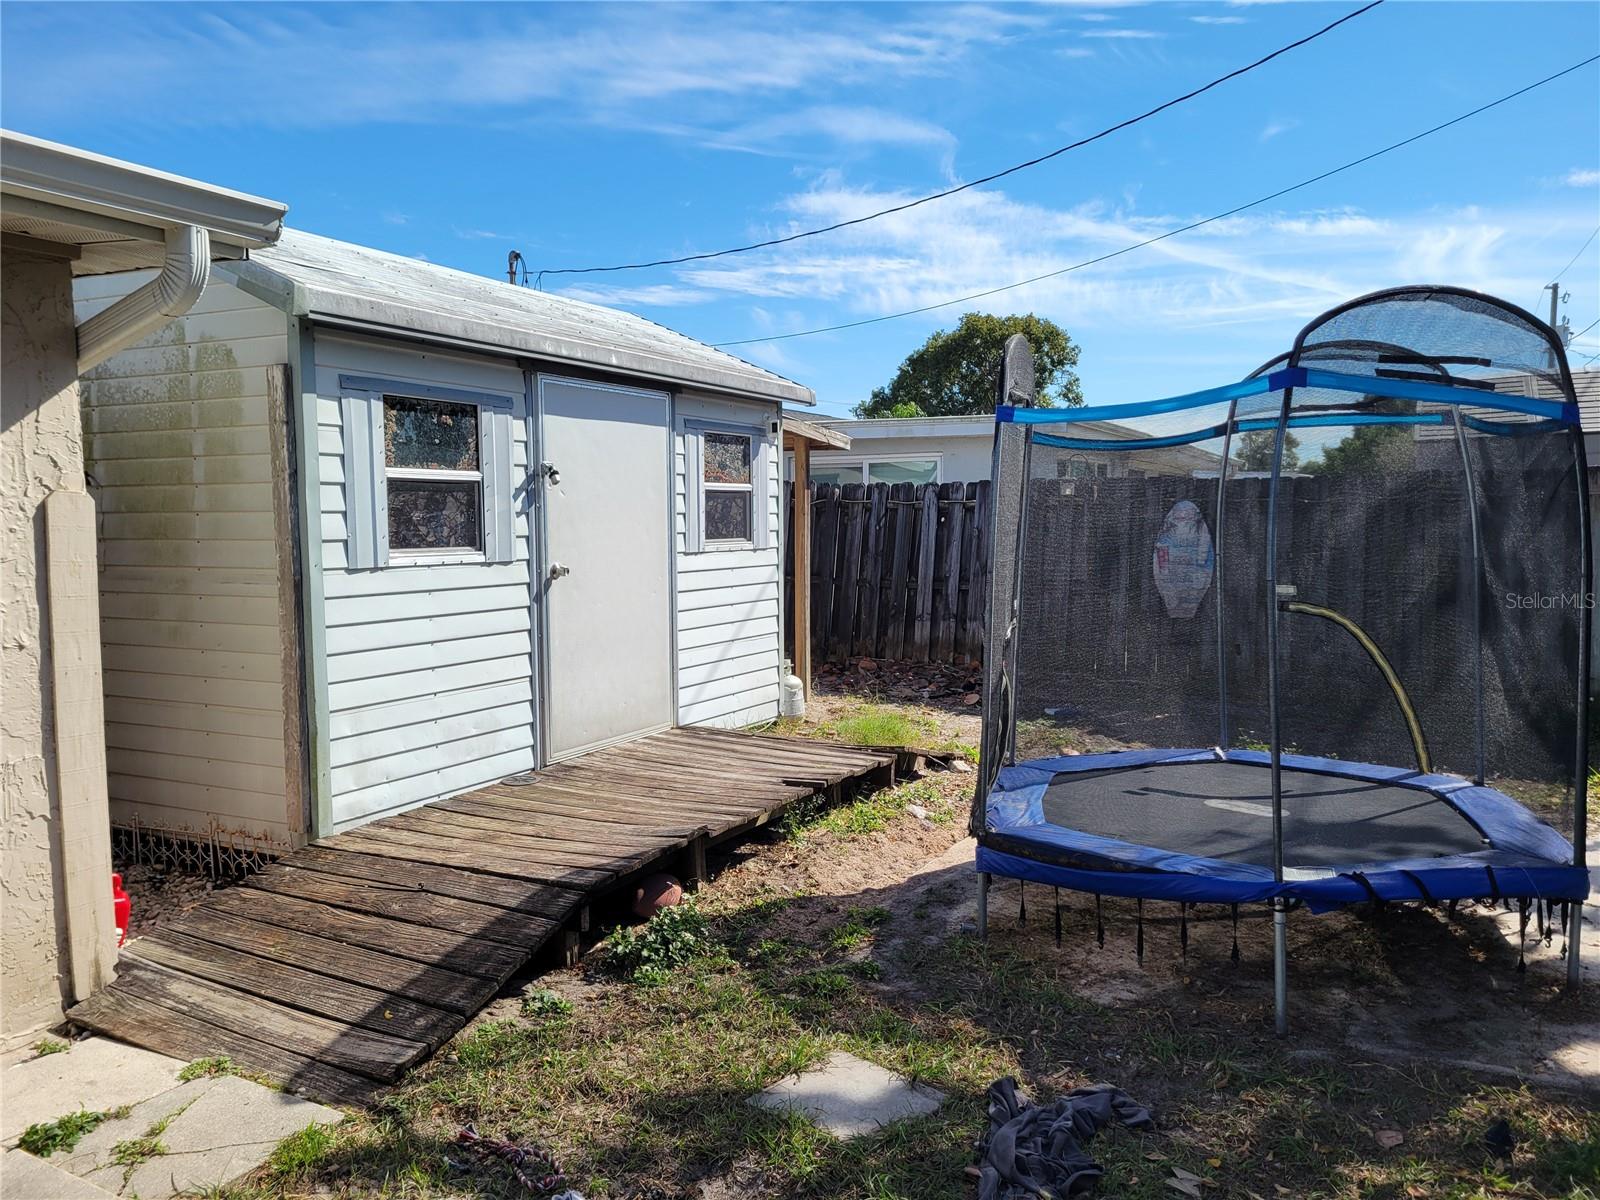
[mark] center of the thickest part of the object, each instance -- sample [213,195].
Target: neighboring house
[959,450]
[69,214]
[416,531]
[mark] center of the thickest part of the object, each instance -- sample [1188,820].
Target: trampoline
[1299,640]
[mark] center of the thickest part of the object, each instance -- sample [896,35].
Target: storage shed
[375,532]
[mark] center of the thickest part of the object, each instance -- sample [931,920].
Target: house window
[433,474]
[888,469]
[729,488]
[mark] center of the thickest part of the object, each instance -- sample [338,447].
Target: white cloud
[1276,126]
[1074,52]
[1580,177]
[659,294]
[849,125]
[1268,270]
[483,235]
[1210,20]
[1123,34]
[349,64]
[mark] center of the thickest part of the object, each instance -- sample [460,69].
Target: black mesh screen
[1430,585]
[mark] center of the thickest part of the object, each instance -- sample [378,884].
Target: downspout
[170,294]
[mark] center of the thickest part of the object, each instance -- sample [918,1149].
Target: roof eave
[78,180]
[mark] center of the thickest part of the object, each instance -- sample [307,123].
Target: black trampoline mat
[1224,810]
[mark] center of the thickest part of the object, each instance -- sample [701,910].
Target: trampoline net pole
[1223,734]
[1480,738]
[1580,782]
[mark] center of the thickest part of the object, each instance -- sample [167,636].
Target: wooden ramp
[345,963]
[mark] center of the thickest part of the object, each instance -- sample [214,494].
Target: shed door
[606,580]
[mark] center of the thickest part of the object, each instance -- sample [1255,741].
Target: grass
[642,1083]
[50,1045]
[868,723]
[871,812]
[207,1068]
[44,1138]
[545,1005]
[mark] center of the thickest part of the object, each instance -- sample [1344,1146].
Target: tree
[1254,451]
[953,372]
[1374,449]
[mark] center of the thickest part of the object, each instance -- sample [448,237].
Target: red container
[122,907]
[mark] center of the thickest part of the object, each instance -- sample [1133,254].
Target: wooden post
[83,831]
[802,562]
[695,863]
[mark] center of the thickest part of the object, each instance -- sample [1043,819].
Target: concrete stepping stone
[97,1074]
[24,1177]
[849,1096]
[216,1130]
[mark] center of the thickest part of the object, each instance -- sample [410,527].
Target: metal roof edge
[79,179]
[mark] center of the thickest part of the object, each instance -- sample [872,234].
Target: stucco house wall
[41,454]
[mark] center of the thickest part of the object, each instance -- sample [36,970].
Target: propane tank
[791,693]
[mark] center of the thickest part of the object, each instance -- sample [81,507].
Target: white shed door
[607,564]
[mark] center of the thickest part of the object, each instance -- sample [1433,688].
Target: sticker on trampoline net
[1183,560]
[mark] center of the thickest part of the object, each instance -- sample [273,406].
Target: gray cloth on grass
[1037,1150]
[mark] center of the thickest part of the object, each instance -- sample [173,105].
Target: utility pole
[1562,331]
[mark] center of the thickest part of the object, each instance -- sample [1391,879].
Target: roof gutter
[170,294]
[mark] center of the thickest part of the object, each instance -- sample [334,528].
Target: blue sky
[592,134]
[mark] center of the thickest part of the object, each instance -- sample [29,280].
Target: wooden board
[401,903]
[333,1042]
[346,962]
[337,999]
[130,1017]
[453,951]
[431,985]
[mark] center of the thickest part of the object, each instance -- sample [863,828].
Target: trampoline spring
[1099,923]
[1138,943]
[1022,903]
[1522,936]
[1235,954]
[1183,928]
[1538,917]
[1450,907]
[1058,918]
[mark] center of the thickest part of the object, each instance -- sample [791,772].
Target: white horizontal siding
[729,601]
[180,450]
[429,667]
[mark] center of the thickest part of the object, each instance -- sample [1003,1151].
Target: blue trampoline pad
[1197,825]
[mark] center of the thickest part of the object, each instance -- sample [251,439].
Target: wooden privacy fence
[901,571]
[898,571]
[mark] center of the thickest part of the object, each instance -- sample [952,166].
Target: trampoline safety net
[1367,562]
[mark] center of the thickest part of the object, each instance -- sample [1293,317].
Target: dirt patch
[160,895]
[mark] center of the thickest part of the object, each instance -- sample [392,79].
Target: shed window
[434,475]
[427,474]
[728,496]
[729,490]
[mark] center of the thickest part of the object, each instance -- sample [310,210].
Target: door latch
[557,570]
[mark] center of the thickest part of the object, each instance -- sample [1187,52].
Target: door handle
[557,570]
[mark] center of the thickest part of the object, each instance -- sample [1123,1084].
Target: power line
[1579,254]
[1161,237]
[1012,170]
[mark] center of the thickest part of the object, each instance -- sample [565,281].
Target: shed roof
[342,284]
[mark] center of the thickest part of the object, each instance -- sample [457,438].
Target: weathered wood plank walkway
[342,965]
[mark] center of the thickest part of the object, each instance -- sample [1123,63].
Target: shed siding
[429,666]
[729,601]
[179,440]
